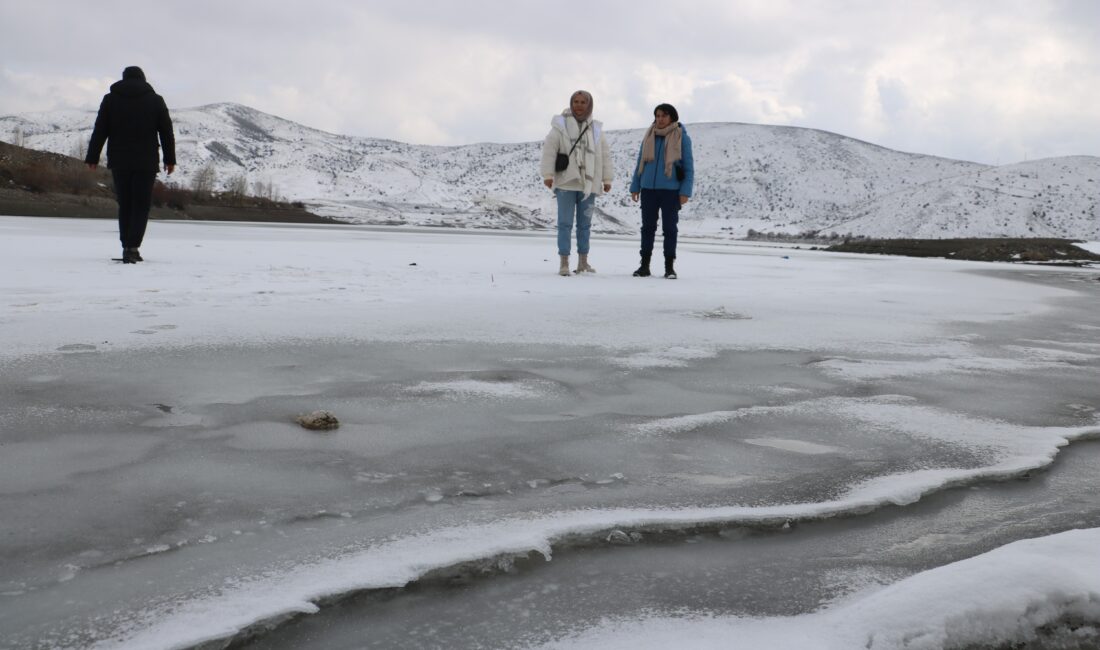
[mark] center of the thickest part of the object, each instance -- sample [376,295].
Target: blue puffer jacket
[652,177]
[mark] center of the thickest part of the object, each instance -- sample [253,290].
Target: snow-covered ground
[783,448]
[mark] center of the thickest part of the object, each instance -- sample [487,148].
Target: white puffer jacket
[589,166]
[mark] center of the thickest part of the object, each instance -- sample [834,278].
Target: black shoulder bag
[562,161]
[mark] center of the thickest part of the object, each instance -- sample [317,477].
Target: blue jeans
[570,203]
[667,203]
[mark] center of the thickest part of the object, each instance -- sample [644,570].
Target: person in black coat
[131,118]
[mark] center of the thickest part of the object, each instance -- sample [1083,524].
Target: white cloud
[734,98]
[983,80]
[25,92]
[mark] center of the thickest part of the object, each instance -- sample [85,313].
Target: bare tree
[79,148]
[264,190]
[237,187]
[204,180]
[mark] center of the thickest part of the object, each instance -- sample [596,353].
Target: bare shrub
[36,177]
[172,195]
[75,180]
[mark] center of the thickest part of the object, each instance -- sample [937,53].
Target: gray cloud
[987,81]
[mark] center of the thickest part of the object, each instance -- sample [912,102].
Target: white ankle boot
[582,265]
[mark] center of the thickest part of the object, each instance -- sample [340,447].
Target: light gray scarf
[584,155]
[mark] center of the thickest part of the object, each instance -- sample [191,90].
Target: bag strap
[586,125]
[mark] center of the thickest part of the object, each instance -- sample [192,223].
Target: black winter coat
[130,118]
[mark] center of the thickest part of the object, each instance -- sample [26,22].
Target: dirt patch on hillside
[1061,252]
[43,184]
[26,204]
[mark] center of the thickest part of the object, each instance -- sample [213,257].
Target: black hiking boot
[643,270]
[136,255]
[670,272]
[128,256]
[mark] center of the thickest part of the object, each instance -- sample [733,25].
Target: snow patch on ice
[719,313]
[1012,448]
[874,369]
[713,479]
[1052,354]
[213,295]
[683,423]
[461,389]
[675,357]
[796,446]
[1001,597]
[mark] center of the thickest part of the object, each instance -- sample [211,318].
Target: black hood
[131,87]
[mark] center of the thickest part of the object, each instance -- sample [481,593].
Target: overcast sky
[994,81]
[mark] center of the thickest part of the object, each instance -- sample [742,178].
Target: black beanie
[133,72]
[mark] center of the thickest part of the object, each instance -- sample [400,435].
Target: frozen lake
[755,451]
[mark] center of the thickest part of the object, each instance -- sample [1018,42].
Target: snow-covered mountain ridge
[765,178]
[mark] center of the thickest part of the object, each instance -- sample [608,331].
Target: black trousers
[666,205]
[134,191]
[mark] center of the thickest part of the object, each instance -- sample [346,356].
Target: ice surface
[158,493]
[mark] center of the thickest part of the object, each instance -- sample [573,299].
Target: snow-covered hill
[1054,197]
[765,178]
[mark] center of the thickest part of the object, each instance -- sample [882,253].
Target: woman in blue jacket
[663,178]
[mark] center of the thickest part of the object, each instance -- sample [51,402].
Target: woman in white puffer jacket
[581,139]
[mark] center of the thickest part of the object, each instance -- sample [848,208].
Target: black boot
[135,255]
[670,272]
[643,270]
[128,256]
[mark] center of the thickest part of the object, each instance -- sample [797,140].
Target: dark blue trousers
[134,191]
[667,203]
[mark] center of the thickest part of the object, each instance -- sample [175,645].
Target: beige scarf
[673,136]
